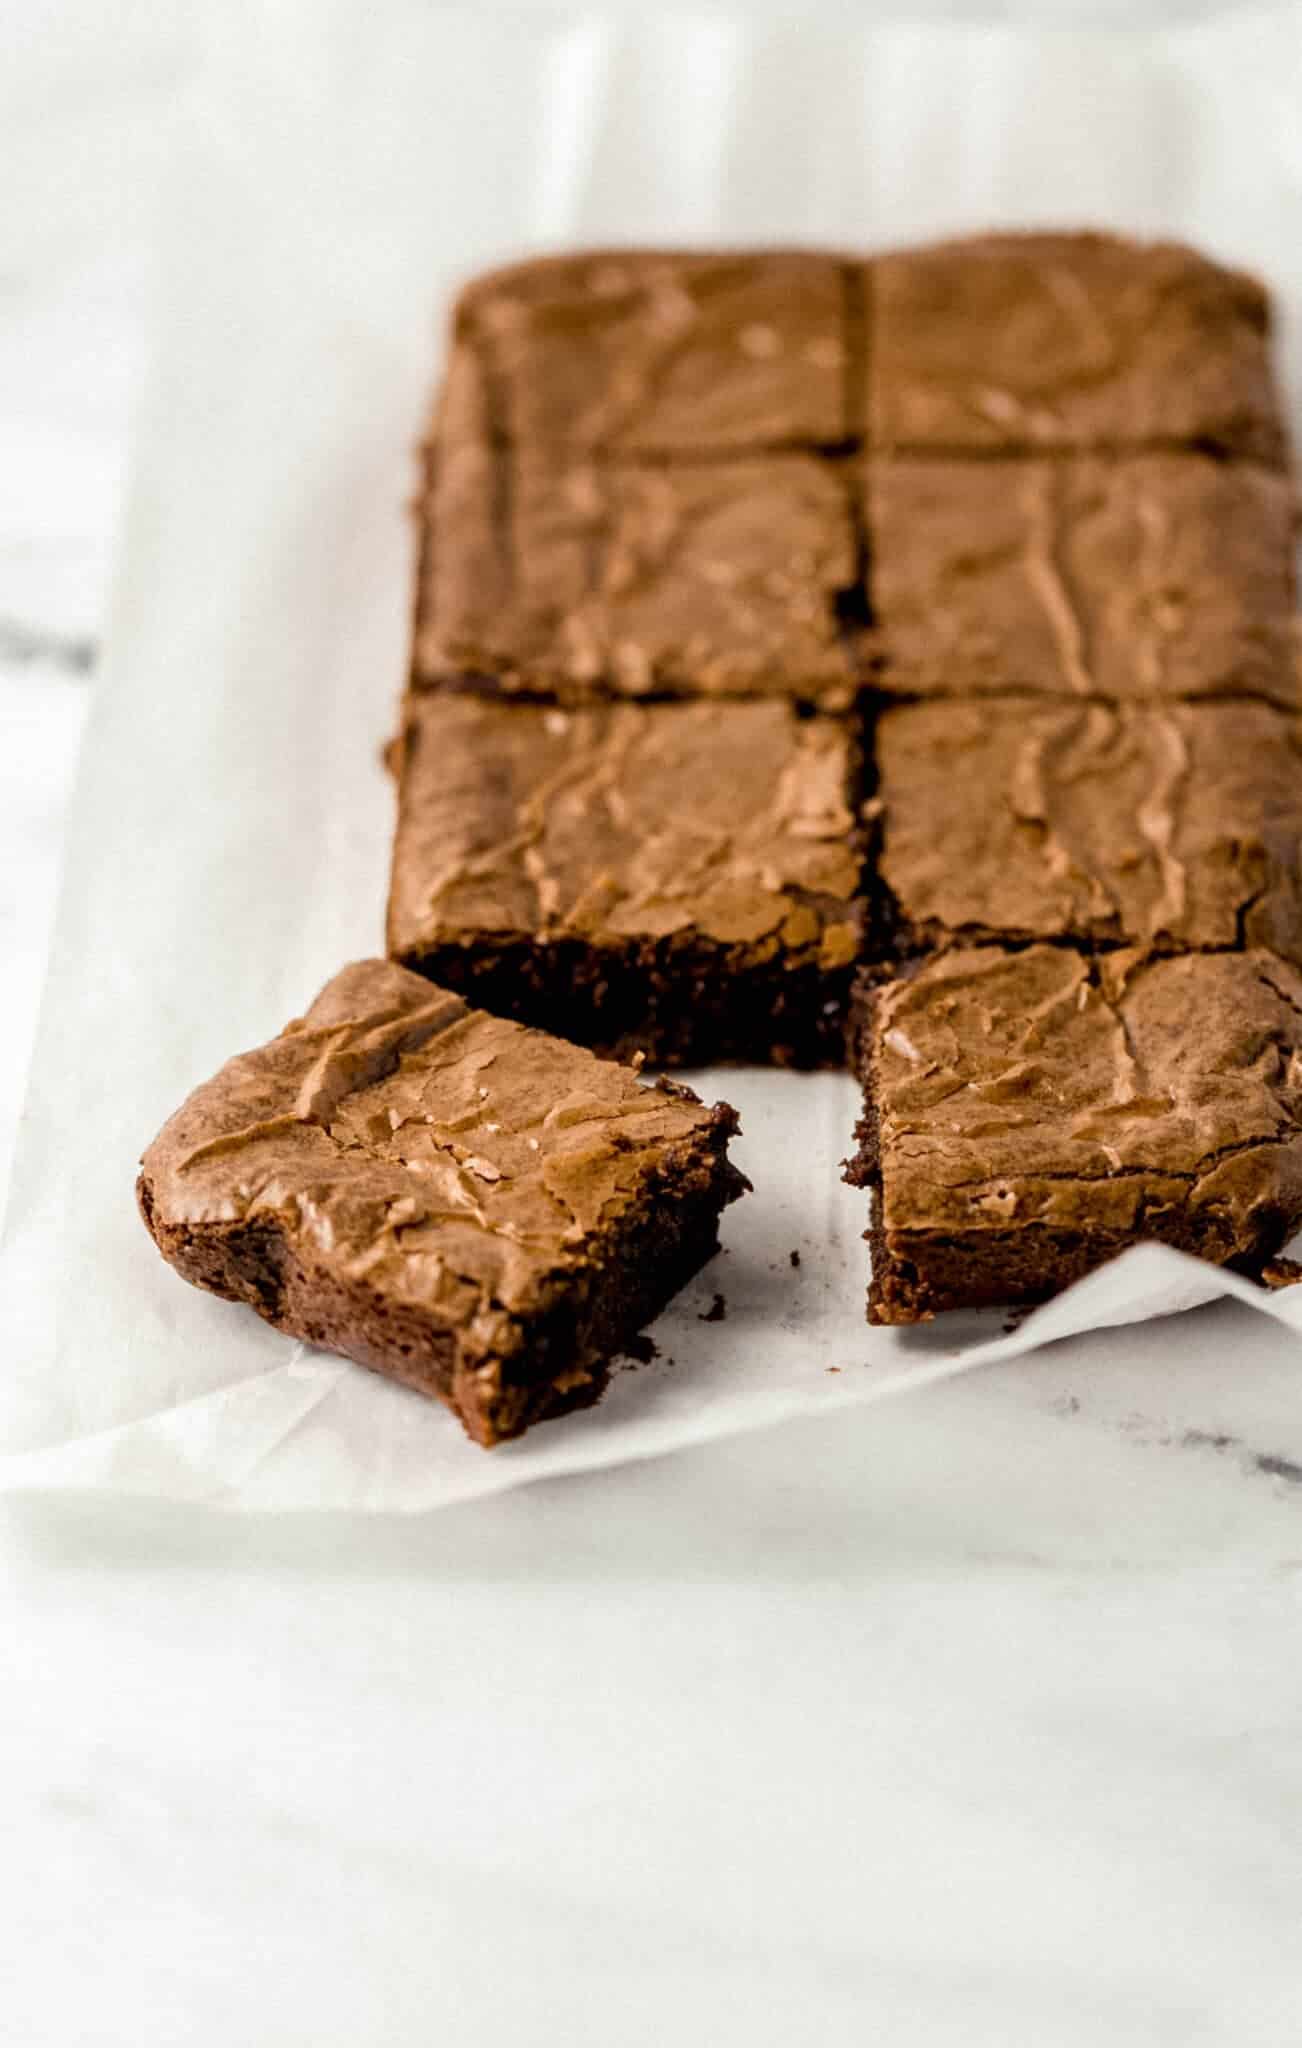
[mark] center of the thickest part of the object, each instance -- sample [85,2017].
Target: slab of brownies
[813,657]
[784,615]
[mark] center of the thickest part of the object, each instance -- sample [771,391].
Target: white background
[973,1719]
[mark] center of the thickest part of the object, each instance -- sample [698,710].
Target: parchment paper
[336,173]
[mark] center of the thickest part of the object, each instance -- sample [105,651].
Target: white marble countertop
[83,109]
[974,1722]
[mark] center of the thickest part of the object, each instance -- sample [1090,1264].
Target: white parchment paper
[335,175]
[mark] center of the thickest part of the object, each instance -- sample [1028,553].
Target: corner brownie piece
[1153,576]
[477,1210]
[664,352]
[576,580]
[1076,341]
[1172,825]
[678,879]
[1029,1114]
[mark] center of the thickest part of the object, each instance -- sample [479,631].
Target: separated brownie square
[480,1211]
[610,579]
[1152,577]
[676,879]
[663,352]
[1070,341]
[1171,825]
[1028,1114]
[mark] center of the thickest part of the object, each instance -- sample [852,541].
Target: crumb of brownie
[1281,1272]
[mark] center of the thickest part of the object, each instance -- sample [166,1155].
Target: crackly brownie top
[1157,576]
[432,1154]
[1042,1088]
[615,579]
[1068,340]
[730,823]
[1174,823]
[663,351]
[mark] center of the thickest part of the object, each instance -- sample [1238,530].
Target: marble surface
[973,1720]
[932,1735]
[85,111]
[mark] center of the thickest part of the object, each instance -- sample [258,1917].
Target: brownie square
[1079,342]
[662,352]
[1159,825]
[480,1211]
[1156,577]
[677,879]
[1029,1114]
[627,581]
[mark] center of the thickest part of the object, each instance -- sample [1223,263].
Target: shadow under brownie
[677,879]
[1027,1115]
[477,1210]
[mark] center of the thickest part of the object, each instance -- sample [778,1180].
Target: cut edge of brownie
[862,1169]
[562,1355]
[1009,1268]
[678,1004]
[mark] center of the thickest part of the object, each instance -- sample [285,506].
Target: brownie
[664,352]
[1172,825]
[1073,341]
[581,579]
[1029,1114]
[1156,576]
[475,1209]
[680,879]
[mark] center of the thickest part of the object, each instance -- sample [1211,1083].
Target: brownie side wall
[254,1263]
[644,1263]
[680,1006]
[862,1169]
[419,512]
[916,1275]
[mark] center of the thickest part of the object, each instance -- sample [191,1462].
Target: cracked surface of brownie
[663,353]
[576,580]
[1148,578]
[1031,1113]
[1074,341]
[1171,825]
